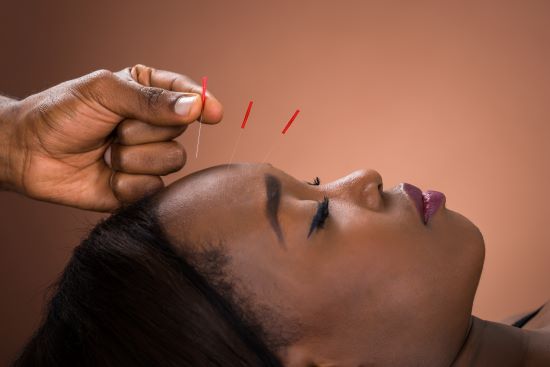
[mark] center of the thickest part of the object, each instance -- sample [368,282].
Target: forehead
[217,202]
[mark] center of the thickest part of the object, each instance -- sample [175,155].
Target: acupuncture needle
[203,99]
[285,129]
[243,124]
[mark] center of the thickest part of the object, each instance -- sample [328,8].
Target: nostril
[380,187]
[373,196]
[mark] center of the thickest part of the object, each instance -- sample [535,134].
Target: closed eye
[320,216]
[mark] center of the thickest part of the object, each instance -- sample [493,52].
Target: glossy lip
[427,203]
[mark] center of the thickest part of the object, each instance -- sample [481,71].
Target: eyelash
[316,182]
[320,216]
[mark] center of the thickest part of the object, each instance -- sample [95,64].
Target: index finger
[212,110]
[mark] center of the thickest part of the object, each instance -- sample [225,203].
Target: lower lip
[433,200]
[427,203]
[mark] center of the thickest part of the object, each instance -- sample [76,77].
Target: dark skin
[374,286]
[102,140]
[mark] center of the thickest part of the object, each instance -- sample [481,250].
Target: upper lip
[415,195]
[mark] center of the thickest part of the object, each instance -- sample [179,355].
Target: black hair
[126,298]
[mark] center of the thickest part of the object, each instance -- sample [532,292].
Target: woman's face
[371,284]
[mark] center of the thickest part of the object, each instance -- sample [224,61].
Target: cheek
[396,260]
[374,247]
[275,277]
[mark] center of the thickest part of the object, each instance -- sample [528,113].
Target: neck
[494,344]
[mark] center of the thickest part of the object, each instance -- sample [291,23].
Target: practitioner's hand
[101,140]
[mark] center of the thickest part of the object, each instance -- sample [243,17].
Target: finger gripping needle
[203,99]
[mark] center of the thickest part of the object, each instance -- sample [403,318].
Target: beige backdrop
[449,95]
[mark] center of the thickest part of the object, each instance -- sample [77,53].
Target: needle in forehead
[247,114]
[241,132]
[287,126]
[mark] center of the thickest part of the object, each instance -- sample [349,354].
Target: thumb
[156,106]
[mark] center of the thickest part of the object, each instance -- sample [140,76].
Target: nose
[363,187]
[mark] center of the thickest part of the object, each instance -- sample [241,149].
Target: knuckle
[117,182]
[152,97]
[177,156]
[124,131]
[46,106]
[99,76]
[129,188]
[125,74]
[138,66]
[90,85]
[142,74]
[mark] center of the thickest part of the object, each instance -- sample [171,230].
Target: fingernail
[107,156]
[184,104]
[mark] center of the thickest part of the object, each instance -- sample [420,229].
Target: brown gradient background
[447,95]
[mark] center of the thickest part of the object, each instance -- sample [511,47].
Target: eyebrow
[273,192]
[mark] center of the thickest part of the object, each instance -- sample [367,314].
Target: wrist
[10,155]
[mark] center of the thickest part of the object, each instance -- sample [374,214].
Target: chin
[471,245]
[459,240]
